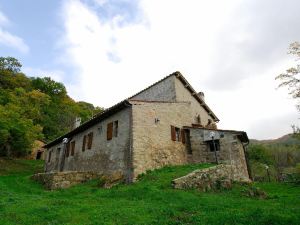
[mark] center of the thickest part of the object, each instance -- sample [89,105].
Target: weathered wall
[64,179]
[183,94]
[231,150]
[220,176]
[37,147]
[105,155]
[152,144]
[163,91]
[172,89]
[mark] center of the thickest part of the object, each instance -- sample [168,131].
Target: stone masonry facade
[164,124]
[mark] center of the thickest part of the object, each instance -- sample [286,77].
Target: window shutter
[183,136]
[83,143]
[173,133]
[49,156]
[109,131]
[68,149]
[72,148]
[90,140]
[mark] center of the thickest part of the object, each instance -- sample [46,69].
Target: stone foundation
[57,180]
[216,177]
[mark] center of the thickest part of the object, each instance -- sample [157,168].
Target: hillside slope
[151,200]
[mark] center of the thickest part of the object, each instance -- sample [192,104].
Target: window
[198,119]
[112,130]
[49,156]
[211,145]
[116,124]
[109,131]
[176,134]
[90,140]
[72,148]
[83,143]
[177,131]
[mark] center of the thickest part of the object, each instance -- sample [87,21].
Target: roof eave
[105,114]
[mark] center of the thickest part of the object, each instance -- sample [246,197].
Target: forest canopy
[34,108]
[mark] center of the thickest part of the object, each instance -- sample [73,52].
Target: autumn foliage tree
[34,109]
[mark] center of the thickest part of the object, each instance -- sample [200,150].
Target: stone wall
[152,144]
[183,94]
[172,89]
[105,156]
[231,150]
[57,180]
[216,177]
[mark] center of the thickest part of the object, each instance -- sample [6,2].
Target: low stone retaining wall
[58,180]
[216,177]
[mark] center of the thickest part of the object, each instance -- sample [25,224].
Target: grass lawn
[149,201]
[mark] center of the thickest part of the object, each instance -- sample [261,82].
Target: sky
[107,50]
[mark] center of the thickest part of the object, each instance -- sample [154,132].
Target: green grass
[149,201]
[20,166]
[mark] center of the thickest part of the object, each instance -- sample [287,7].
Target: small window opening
[198,119]
[214,145]
[38,155]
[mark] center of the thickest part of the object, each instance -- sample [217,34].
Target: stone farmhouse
[168,123]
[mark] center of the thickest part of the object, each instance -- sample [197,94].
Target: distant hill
[286,140]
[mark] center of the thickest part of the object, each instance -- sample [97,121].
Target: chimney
[77,122]
[201,95]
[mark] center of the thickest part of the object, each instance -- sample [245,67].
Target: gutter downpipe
[247,159]
[129,178]
[63,157]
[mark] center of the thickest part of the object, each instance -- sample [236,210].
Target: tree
[17,133]
[260,154]
[291,79]
[34,108]
[49,86]
[10,64]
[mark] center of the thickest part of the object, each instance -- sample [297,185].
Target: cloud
[8,39]
[253,39]
[261,128]
[231,50]
[13,41]
[125,11]
[143,50]
[3,20]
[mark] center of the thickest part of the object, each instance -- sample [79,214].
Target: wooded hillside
[34,108]
[277,159]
